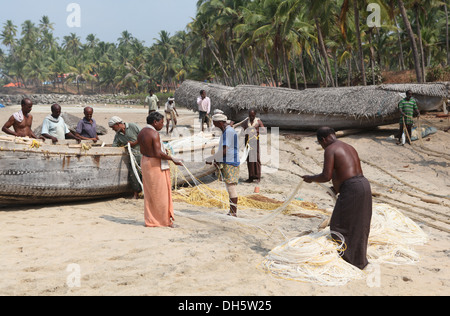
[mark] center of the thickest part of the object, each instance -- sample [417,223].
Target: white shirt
[55,127]
[204,105]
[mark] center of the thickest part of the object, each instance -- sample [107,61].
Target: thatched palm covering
[439,89]
[361,102]
[351,101]
[186,95]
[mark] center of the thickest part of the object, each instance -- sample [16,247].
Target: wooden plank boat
[34,172]
[340,108]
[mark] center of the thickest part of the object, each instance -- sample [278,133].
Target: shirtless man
[353,211]
[21,122]
[158,209]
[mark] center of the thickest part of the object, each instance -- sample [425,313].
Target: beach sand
[45,249]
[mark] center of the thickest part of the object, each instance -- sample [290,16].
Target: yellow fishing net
[203,195]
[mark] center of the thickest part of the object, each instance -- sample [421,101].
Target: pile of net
[316,258]
[203,195]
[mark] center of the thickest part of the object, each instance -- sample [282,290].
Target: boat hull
[57,173]
[70,172]
[295,121]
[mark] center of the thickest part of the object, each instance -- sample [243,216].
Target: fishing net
[316,258]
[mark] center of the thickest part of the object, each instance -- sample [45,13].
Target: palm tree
[45,24]
[412,40]
[8,35]
[72,44]
[38,70]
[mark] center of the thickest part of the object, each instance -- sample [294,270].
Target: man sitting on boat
[55,128]
[21,121]
[87,127]
[128,133]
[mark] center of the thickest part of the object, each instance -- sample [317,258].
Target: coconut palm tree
[8,35]
[72,44]
[412,40]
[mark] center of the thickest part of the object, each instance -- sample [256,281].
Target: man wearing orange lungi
[156,174]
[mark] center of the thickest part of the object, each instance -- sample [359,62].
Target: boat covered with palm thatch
[36,172]
[340,108]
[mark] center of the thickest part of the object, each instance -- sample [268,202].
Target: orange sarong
[157,193]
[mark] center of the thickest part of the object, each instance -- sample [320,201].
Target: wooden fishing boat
[340,108]
[36,172]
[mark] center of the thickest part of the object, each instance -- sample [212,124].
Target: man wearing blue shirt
[227,159]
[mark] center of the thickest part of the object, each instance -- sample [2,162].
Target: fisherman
[170,111]
[204,108]
[227,159]
[252,126]
[353,210]
[87,127]
[408,109]
[54,127]
[153,102]
[156,174]
[21,121]
[127,133]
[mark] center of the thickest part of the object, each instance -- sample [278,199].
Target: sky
[106,19]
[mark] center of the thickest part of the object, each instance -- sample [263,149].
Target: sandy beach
[104,243]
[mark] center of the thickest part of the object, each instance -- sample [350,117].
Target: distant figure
[252,126]
[21,121]
[87,127]
[204,108]
[156,174]
[55,128]
[127,133]
[227,159]
[170,111]
[408,109]
[352,214]
[152,101]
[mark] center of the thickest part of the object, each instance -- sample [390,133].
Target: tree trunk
[226,77]
[358,38]
[419,32]
[303,71]
[286,67]
[400,45]
[323,50]
[412,40]
[372,56]
[446,33]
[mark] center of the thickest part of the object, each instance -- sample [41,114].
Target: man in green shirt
[153,102]
[408,109]
[128,133]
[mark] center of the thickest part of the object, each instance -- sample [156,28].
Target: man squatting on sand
[156,174]
[227,159]
[21,122]
[352,214]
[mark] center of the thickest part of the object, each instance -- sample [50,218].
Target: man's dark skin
[150,143]
[341,163]
[22,129]
[56,112]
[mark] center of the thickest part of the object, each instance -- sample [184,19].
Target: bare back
[343,161]
[150,143]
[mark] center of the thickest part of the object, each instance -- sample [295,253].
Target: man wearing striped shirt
[408,109]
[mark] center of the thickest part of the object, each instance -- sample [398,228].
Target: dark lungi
[352,217]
